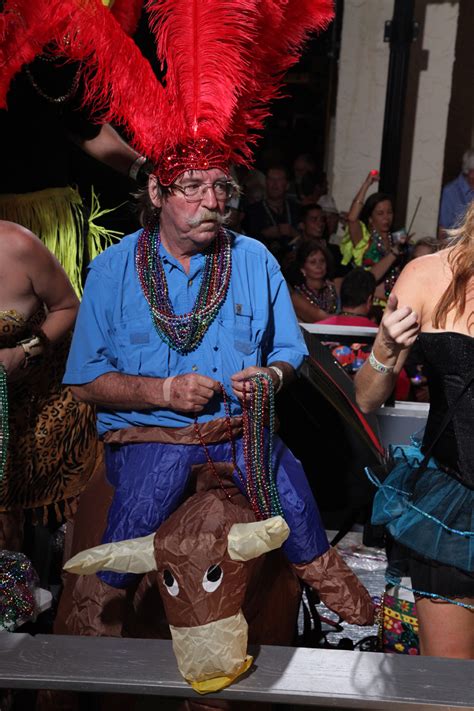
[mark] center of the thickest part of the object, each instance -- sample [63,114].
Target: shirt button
[216,348]
[194,368]
[190,282]
[214,370]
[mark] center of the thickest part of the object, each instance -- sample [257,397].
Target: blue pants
[150,480]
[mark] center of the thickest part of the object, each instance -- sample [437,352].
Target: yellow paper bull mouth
[220,682]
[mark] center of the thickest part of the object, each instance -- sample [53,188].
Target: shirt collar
[170,263]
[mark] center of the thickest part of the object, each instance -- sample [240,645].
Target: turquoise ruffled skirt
[431,514]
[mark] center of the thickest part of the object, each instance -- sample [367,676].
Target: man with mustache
[173,322]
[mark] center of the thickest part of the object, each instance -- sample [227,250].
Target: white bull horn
[133,556]
[249,540]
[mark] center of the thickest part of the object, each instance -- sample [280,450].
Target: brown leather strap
[212,432]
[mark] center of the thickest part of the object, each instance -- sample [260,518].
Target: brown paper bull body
[208,561]
[217,571]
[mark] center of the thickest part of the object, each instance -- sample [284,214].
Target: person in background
[313,187]
[331,215]
[423,246]
[303,164]
[313,295]
[357,297]
[428,513]
[50,440]
[457,195]
[369,242]
[273,220]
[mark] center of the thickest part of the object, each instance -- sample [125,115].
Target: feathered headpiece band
[223,62]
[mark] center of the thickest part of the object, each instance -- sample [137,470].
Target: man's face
[276,184]
[192,223]
[314,224]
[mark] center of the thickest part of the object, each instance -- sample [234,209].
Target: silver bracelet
[378,366]
[135,167]
[279,372]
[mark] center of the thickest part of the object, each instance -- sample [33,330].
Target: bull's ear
[249,540]
[133,556]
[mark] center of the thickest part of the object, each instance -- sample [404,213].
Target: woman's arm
[306,311]
[381,268]
[397,333]
[353,223]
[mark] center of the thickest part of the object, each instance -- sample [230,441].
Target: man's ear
[154,191]
[370,301]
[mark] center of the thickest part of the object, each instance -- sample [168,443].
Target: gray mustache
[208,215]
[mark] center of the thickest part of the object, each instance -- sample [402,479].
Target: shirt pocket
[139,347]
[244,324]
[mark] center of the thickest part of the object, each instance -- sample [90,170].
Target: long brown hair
[461,261]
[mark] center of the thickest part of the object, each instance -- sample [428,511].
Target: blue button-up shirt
[455,198]
[114,331]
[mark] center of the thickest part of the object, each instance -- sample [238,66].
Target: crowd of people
[185,333]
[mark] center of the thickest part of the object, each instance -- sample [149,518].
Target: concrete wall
[438,40]
[363,68]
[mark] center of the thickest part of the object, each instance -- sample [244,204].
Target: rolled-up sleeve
[284,340]
[92,352]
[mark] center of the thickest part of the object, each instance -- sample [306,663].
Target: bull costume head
[203,555]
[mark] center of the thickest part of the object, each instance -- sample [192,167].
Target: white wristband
[279,372]
[167,389]
[378,366]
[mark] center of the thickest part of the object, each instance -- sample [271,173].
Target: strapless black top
[449,357]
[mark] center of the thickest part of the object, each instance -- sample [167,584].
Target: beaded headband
[201,154]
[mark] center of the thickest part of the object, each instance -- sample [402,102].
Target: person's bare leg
[446,630]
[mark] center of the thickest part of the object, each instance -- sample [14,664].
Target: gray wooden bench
[311,677]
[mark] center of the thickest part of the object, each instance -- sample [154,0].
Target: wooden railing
[311,677]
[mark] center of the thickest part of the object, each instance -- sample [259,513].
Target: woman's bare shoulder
[15,236]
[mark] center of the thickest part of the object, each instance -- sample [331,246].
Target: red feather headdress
[223,62]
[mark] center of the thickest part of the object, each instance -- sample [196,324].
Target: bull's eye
[170,582]
[212,578]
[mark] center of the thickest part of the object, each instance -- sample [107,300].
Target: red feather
[225,62]
[127,13]
[207,48]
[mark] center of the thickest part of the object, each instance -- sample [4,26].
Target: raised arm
[398,331]
[353,223]
[109,147]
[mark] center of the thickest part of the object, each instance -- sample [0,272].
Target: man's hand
[398,329]
[12,359]
[191,392]
[238,379]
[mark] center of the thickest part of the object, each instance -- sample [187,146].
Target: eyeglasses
[194,192]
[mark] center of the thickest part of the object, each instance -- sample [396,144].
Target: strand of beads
[258,449]
[183,332]
[4,429]
[17,582]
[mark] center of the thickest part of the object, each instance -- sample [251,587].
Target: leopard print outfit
[53,446]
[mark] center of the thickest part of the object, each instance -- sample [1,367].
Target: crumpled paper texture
[136,555]
[212,650]
[250,540]
[338,587]
[187,545]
